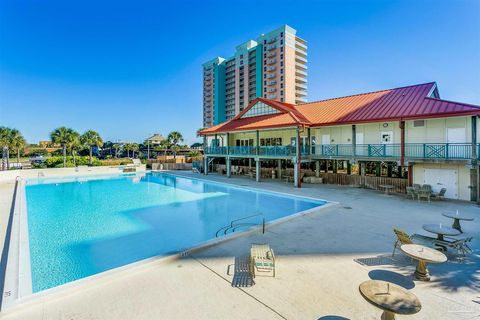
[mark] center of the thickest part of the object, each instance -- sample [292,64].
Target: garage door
[443,178]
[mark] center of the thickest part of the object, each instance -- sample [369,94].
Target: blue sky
[129,69]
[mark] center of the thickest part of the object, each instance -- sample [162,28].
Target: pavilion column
[296,165]
[279,173]
[402,143]
[229,167]
[317,168]
[349,167]
[474,192]
[258,167]
[249,164]
[354,141]
[205,158]
[378,169]
[335,166]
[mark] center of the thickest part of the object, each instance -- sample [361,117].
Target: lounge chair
[439,195]
[411,192]
[404,238]
[458,244]
[262,259]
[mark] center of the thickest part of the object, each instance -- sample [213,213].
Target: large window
[270,142]
[260,109]
[244,143]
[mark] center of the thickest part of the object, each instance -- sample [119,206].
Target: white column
[229,167]
[205,165]
[317,168]
[258,167]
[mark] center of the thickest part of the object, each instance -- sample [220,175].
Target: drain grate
[347,208]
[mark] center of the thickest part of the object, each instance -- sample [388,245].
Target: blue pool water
[80,227]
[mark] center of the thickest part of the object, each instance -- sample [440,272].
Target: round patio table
[423,255]
[456,219]
[389,297]
[440,230]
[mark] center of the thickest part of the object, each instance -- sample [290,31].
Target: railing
[446,151]
[269,151]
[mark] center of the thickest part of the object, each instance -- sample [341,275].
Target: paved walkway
[321,259]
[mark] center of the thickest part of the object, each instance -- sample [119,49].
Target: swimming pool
[78,227]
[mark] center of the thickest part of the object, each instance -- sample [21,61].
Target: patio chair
[426,187]
[461,245]
[424,194]
[416,186]
[439,195]
[411,192]
[262,259]
[404,238]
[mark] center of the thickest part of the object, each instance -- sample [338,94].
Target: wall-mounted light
[385,125]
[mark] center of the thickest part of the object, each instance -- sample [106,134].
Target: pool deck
[322,257]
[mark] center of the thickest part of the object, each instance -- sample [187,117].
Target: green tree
[116,146]
[17,142]
[74,144]
[62,136]
[4,143]
[90,139]
[134,147]
[174,138]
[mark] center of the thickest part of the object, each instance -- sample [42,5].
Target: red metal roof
[405,103]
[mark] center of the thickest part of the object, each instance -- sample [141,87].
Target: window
[281,85]
[281,99]
[264,89]
[281,63]
[281,92]
[264,76]
[418,123]
[264,41]
[264,82]
[281,78]
[281,49]
[281,34]
[281,42]
[264,55]
[281,56]
[281,71]
[241,56]
[264,68]
[260,109]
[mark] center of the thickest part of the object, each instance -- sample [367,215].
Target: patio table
[440,230]
[387,188]
[389,297]
[423,255]
[456,219]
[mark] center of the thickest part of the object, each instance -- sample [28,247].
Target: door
[326,149]
[359,144]
[442,178]
[457,149]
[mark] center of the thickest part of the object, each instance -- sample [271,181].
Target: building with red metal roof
[408,130]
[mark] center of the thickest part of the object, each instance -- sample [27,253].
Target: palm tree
[91,138]
[62,136]
[17,142]
[174,138]
[116,146]
[4,143]
[74,144]
[134,147]
[127,146]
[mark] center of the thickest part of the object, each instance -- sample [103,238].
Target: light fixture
[385,125]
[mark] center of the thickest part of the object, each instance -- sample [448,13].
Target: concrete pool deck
[321,259]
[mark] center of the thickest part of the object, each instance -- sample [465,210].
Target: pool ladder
[234,224]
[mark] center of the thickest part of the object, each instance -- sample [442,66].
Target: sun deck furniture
[262,259]
[411,192]
[423,255]
[387,188]
[289,178]
[389,297]
[456,219]
[404,238]
[461,245]
[439,195]
[440,230]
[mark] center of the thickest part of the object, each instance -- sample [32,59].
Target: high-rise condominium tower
[273,67]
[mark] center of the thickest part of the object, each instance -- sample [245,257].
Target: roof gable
[259,108]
